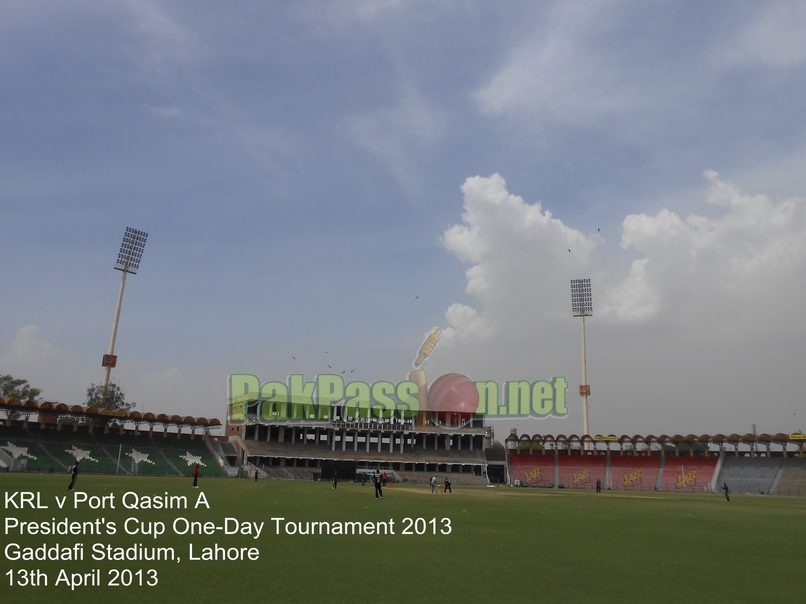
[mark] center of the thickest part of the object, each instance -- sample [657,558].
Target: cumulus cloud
[520,262]
[747,259]
[633,299]
[745,262]
[462,319]
[709,296]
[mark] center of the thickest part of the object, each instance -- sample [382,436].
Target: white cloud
[520,257]
[28,349]
[624,69]
[398,134]
[703,268]
[711,298]
[634,299]
[563,70]
[163,43]
[771,37]
[691,269]
[463,320]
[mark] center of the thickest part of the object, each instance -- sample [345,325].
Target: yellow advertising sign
[533,474]
[632,478]
[113,413]
[684,480]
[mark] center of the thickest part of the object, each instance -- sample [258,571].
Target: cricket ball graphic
[453,398]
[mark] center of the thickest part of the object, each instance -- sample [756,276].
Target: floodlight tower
[582,306]
[131,250]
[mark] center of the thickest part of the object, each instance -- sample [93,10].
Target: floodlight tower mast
[582,306]
[131,251]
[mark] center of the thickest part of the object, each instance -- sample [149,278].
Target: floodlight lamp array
[581,300]
[131,250]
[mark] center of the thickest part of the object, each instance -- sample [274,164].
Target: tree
[115,398]
[17,388]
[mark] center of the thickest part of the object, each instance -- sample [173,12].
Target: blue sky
[331,180]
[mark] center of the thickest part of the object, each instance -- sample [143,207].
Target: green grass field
[517,545]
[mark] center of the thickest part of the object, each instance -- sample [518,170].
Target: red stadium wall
[687,473]
[532,470]
[628,473]
[582,471]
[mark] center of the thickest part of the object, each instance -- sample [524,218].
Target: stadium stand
[22,452]
[582,471]
[279,473]
[633,473]
[754,475]
[185,454]
[792,480]
[532,470]
[299,451]
[456,478]
[138,455]
[688,474]
[226,455]
[155,455]
[264,450]
[48,449]
[52,450]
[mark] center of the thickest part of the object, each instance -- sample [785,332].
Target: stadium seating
[52,450]
[532,470]
[456,478]
[633,473]
[49,449]
[155,455]
[185,454]
[281,473]
[582,471]
[793,478]
[753,475]
[690,474]
[264,449]
[17,444]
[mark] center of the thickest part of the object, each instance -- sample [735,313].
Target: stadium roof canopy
[58,410]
